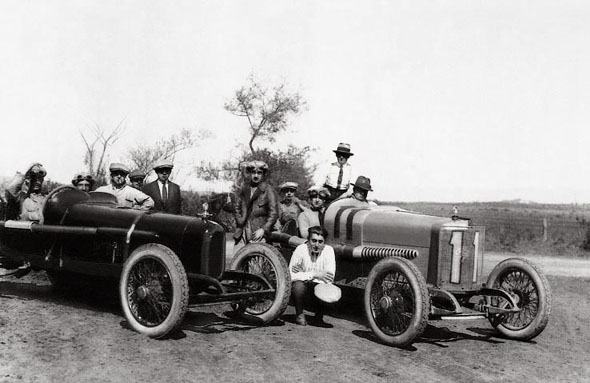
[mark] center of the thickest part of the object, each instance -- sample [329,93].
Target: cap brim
[347,153]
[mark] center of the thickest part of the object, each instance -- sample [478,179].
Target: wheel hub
[142,292]
[385,303]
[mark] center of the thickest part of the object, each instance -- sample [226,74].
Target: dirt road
[50,337]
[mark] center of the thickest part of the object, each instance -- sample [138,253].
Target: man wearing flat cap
[126,195]
[290,206]
[165,193]
[23,194]
[136,178]
[257,208]
[340,172]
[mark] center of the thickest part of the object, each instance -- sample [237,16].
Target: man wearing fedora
[126,195]
[313,263]
[339,173]
[165,193]
[360,190]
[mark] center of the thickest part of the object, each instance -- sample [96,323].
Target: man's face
[163,174]
[256,177]
[315,243]
[136,183]
[83,185]
[35,184]
[288,194]
[360,194]
[342,158]
[316,201]
[118,178]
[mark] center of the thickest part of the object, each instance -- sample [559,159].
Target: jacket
[260,211]
[172,204]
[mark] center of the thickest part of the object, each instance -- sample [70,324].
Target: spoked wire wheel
[267,262]
[527,284]
[154,290]
[396,301]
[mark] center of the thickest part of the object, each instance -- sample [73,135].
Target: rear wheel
[529,287]
[396,301]
[265,261]
[154,290]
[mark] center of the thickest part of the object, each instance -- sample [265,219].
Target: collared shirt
[129,197]
[333,175]
[303,265]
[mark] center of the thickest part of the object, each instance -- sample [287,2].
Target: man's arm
[140,200]
[273,210]
[297,266]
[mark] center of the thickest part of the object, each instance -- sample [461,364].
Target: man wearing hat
[83,181]
[311,264]
[23,194]
[165,193]
[339,173]
[126,195]
[290,206]
[314,215]
[360,190]
[136,178]
[257,207]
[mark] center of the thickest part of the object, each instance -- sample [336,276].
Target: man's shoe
[300,320]
[318,321]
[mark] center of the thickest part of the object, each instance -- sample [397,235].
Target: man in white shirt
[312,262]
[126,195]
[340,172]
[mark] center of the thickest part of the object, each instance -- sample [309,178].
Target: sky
[444,101]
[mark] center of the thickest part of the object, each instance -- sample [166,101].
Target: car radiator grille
[460,262]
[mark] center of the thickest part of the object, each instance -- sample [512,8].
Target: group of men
[258,210]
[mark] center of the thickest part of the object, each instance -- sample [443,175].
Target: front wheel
[154,290]
[396,301]
[528,285]
[265,261]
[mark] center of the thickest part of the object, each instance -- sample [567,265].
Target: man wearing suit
[257,208]
[166,194]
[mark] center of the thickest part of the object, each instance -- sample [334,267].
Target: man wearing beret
[340,172]
[23,194]
[257,208]
[126,195]
[165,193]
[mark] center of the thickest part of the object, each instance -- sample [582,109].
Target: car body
[414,267]
[164,263]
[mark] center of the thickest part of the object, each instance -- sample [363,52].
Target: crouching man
[313,263]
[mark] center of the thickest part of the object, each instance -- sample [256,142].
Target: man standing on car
[257,208]
[340,172]
[165,193]
[312,262]
[126,195]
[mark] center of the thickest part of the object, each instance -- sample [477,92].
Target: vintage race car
[165,264]
[415,267]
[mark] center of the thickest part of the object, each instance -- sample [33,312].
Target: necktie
[164,193]
[340,175]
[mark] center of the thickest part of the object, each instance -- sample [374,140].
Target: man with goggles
[314,215]
[83,181]
[24,195]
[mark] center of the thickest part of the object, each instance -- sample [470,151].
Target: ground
[47,336]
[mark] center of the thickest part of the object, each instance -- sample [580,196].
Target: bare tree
[266,109]
[144,156]
[96,149]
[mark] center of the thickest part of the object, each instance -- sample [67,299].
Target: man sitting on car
[24,196]
[314,215]
[358,198]
[126,195]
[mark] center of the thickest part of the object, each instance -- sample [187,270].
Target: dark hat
[363,182]
[163,164]
[136,174]
[344,149]
[118,166]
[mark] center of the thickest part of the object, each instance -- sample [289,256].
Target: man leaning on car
[126,195]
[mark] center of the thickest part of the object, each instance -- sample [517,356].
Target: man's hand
[321,275]
[258,235]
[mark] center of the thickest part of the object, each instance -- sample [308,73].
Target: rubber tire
[421,300]
[543,291]
[180,289]
[283,277]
